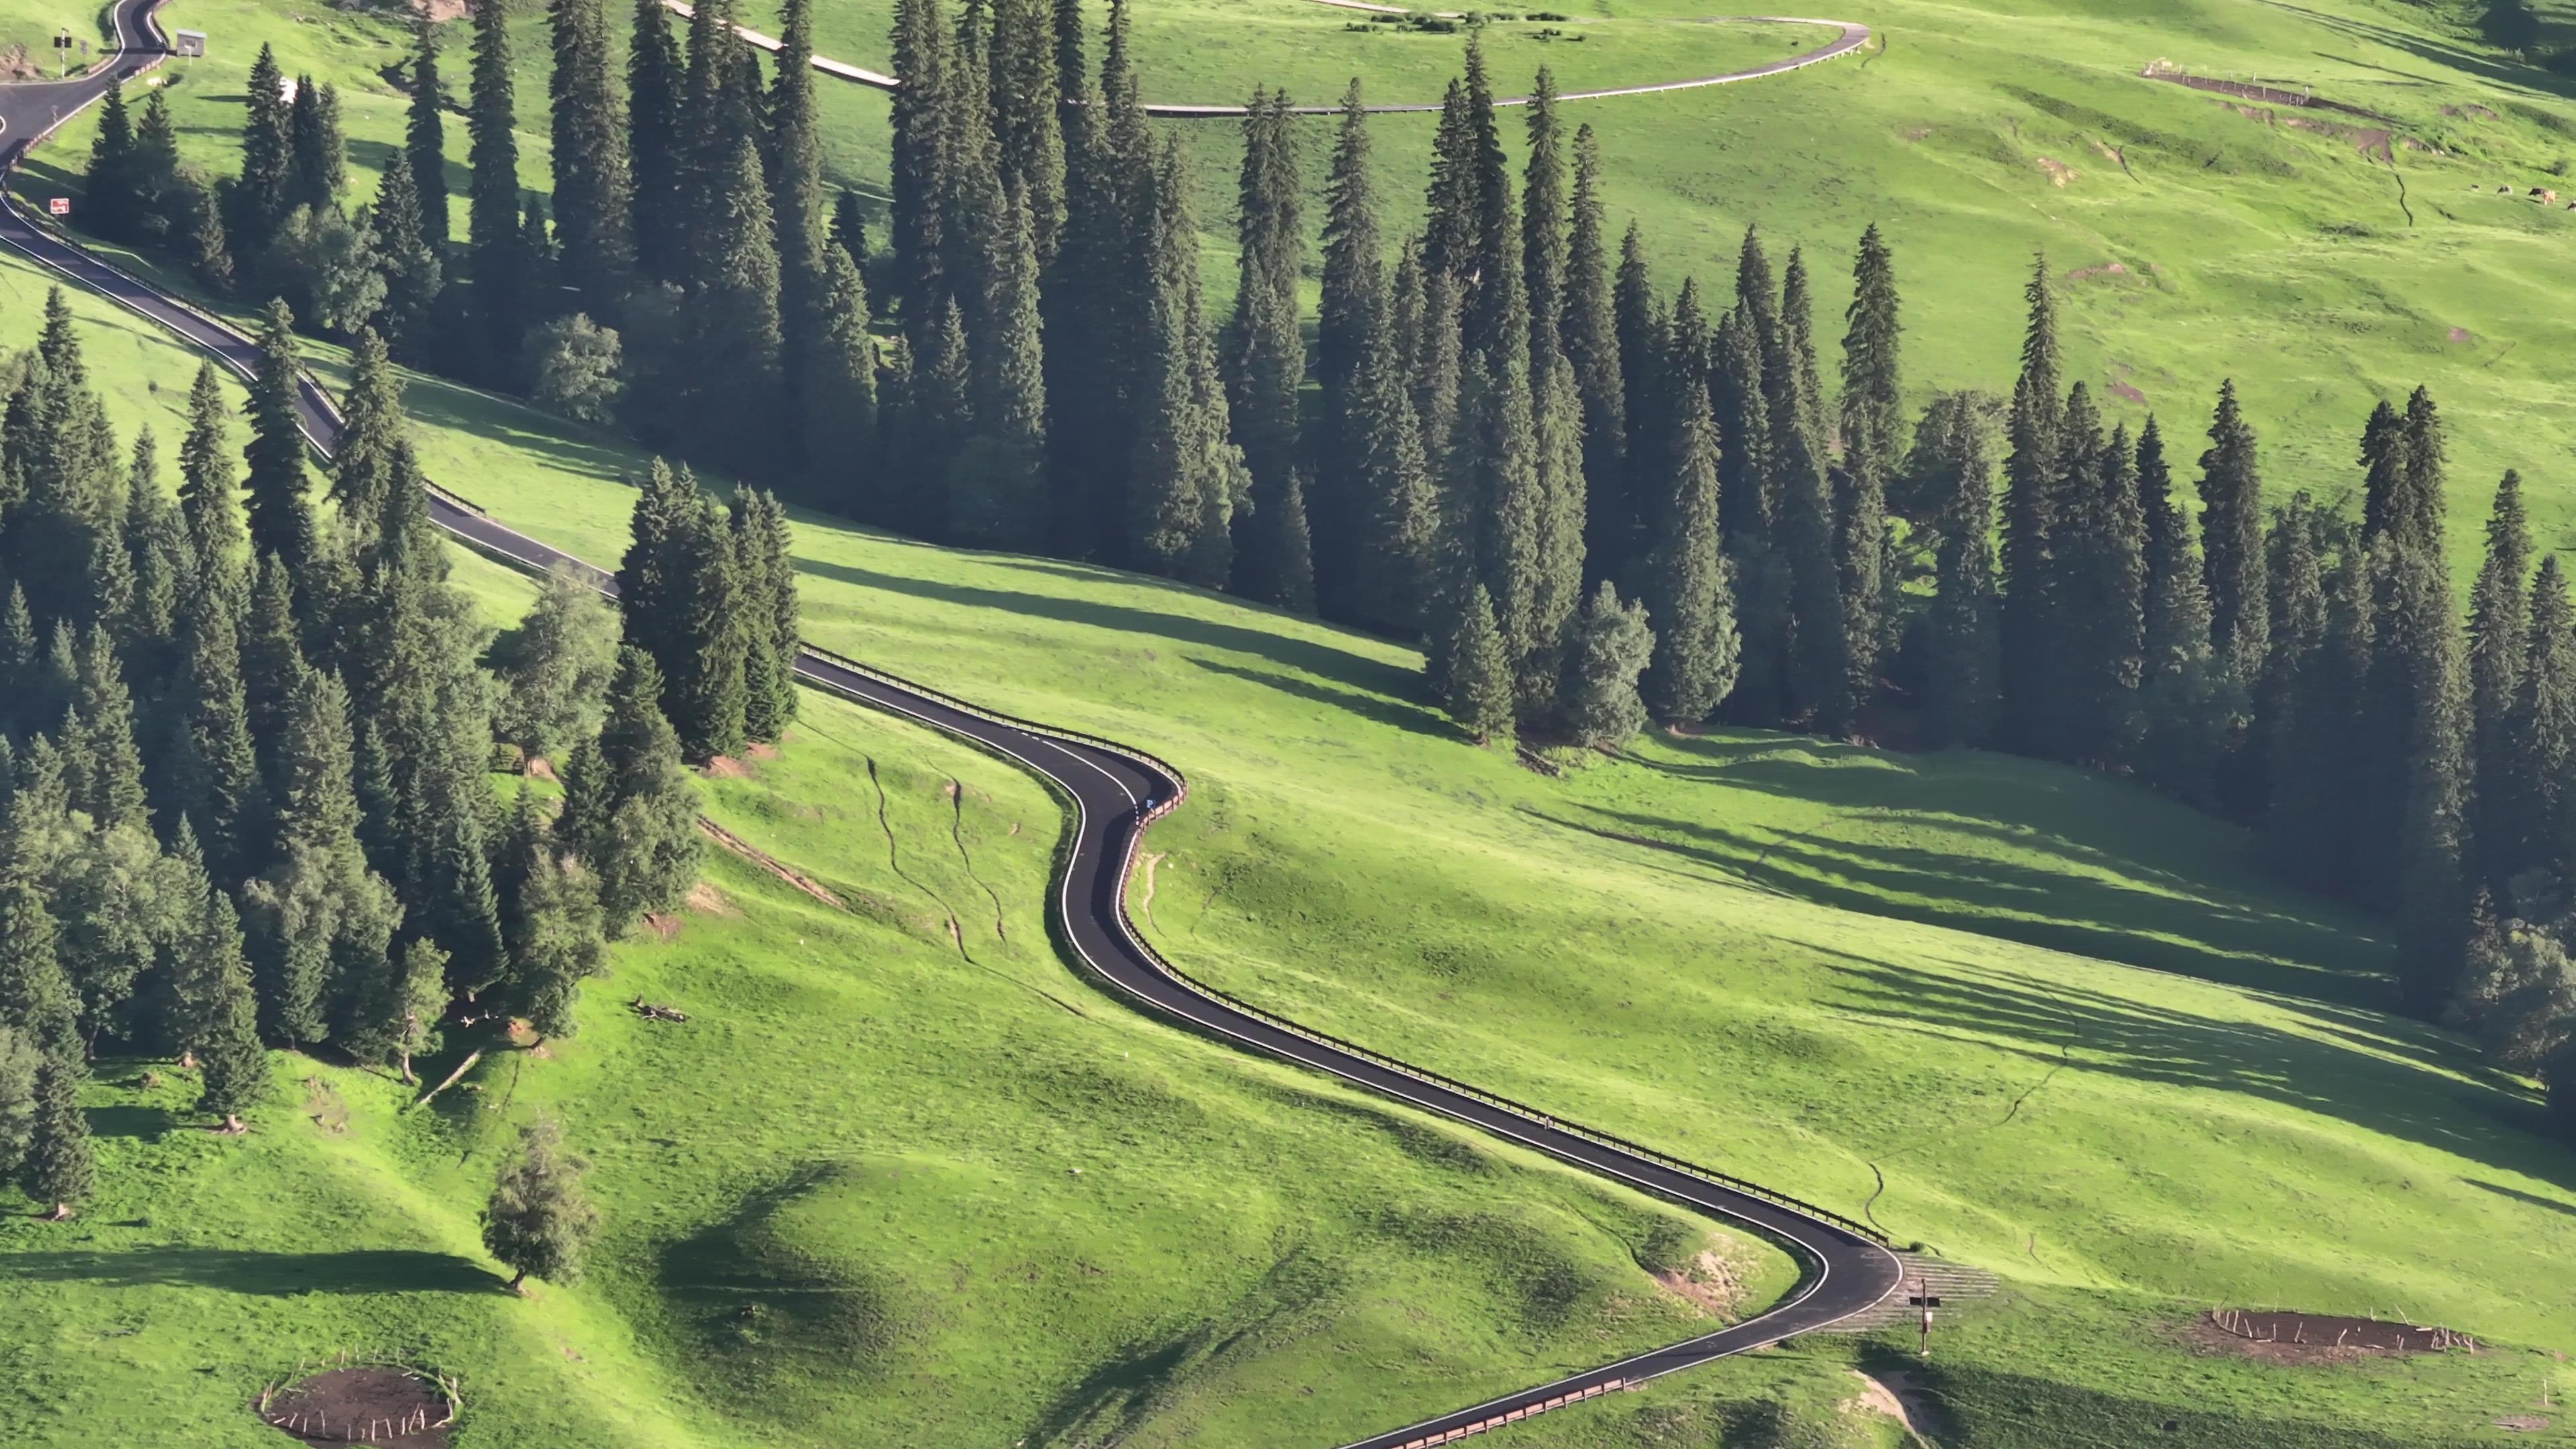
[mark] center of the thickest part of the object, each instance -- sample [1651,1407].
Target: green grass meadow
[2038,1020]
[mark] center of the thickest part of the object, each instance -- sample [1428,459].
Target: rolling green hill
[2037,1020]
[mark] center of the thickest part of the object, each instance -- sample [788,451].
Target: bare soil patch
[541,768]
[726,767]
[2059,173]
[2461,334]
[704,897]
[1709,1282]
[2287,1337]
[2523,1423]
[389,1408]
[663,926]
[1891,1392]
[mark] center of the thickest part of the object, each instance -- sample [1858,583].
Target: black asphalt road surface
[1116,792]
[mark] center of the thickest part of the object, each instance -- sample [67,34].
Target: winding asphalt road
[1852,37]
[1116,792]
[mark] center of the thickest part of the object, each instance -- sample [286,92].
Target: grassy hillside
[883,1174]
[2083,1039]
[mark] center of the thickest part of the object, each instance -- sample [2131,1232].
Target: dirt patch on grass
[760,750]
[1709,1281]
[704,897]
[2102,269]
[2059,173]
[2523,1423]
[2462,334]
[765,861]
[389,1408]
[1892,1393]
[726,767]
[2285,1337]
[539,767]
[663,925]
[1915,133]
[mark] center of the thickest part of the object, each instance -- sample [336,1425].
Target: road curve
[1116,792]
[1854,35]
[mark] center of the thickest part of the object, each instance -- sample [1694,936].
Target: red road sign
[59,206]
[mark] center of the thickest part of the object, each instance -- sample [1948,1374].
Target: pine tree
[60,1167]
[539,1222]
[920,155]
[1820,653]
[2179,690]
[1612,645]
[2499,642]
[321,918]
[838,398]
[219,791]
[730,320]
[425,140]
[2103,585]
[280,517]
[2031,654]
[1495,504]
[707,697]
[1745,484]
[654,141]
[113,792]
[2231,520]
[1394,506]
[1641,359]
[637,825]
[114,182]
[1265,365]
[1353,314]
[594,191]
[2417,516]
[1963,647]
[1187,475]
[364,469]
[554,937]
[492,223]
[996,485]
[1690,591]
[412,274]
[164,563]
[259,197]
[210,491]
[1544,218]
[2383,461]
[1872,424]
[1026,107]
[765,581]
[400,1018]
[1589,335]
[1478,691]
[1489,304]
[2324,774]
[216,1015]
[2418,711]
[802,223]
[1449,207]
[317,153]
[850,226]
[2539,816]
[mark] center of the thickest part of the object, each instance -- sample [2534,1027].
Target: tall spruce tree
[321,918]
[2102,585]
[259,197]
[594,190]
[1187,475]
[2179,689]
[638,830]
[837,398]
[1641,349]
[1478,691]
[2383,463]
[921,150]
[497,263]
[2032,469]
[1963,657]
[411,271]
[1027,122]
[1611,647]
[425,139]
[1689,589]
[1265,364]
[2539,816]
[1589,335]
[1820,663]
[655,142]
[114,184]
[317,152]
[1544,218]
[210,492]
[279,514]
[2499,644]
[730,320]
[2231,521]
[1394,504]
[996,484]
[1354,312]
[215,1014]
[812,357]
[1872,422]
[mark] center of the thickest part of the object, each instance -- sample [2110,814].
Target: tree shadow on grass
[1393,713]
[2221,941]
[143,1123]
[2518,1195]
[2444,1105]
[1312,657]
[264,1275]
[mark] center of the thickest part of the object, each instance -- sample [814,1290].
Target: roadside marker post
[1919,1294]
[58,205]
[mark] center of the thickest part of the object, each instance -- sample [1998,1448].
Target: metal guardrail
[1271,1019]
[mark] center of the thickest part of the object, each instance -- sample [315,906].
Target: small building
[188,42]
